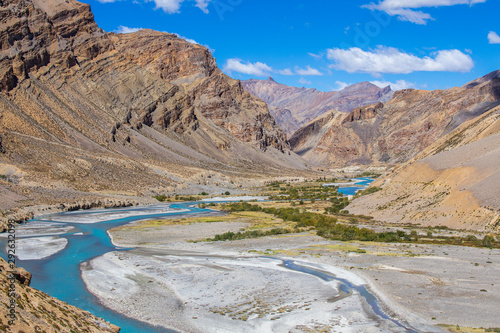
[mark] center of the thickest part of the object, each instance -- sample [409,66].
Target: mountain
[36,311]
[294,107]
[454,182]
[395,131]
[89,111]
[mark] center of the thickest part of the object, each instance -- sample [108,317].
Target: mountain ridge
[294,107]
[395,131]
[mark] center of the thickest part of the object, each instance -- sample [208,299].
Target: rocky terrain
[38,312]
[85,111]
[454,182]
[395,131]
[294,107]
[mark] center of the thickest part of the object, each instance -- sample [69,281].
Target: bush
[161,197]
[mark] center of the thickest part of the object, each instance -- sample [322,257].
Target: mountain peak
[270,79]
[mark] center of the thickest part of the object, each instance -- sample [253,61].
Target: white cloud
[341,85]
[258,68]
[391,60]
[398,85]
[169,6]
[107,1]
[316,56]
[404,9]
[203,5]
[304,81]
[174,6]
[126,30]
[493,38]
[286,71]
[189,40]
[307,71]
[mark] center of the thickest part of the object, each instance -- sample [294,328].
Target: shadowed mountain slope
[294,107]
[92,111]
[454,182]
[395,131]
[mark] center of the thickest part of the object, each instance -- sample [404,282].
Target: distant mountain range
[294,107]
[395,131]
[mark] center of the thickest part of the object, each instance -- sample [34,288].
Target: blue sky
[326,44]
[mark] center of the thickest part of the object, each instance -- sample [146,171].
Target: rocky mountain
[395,131]
[454,182]
[38,312]
[90,111]
[294,107]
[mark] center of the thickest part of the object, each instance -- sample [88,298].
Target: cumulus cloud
[304,81]
[257,68]
[341,85]
[398,85]
[307,71]
[203,5]
[169,6]
[126,30]
[286,71]
[391,60]
[262,69]
[493,38]
[405,9]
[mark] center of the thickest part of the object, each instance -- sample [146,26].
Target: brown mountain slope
[36,311]
[395,131]
[455,182]
[91,111]
[294,107]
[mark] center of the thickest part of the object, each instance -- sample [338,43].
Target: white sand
[221,294]
[39,248]
[101,216]
[244,198]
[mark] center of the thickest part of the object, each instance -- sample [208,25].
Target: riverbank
[25,213]
[423,284]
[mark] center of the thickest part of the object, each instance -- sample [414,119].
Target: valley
[145,188]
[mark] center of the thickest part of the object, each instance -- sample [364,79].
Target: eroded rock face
[98,111]
[453,182]
[294,107]
[28,302]
[36,33]
[363,113]
[396,131]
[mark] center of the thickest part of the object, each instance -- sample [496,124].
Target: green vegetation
[163,198]
[306,192]
[249,234]
[369,190]
[328,227]
[370,174]
[4,177]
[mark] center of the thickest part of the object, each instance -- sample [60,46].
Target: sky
[328,44]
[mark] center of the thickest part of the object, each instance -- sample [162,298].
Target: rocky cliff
[36,311]
[86,110]
[395,131]
[454,182]
[294,107]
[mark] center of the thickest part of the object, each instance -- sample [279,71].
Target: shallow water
[59,275]
[361,183]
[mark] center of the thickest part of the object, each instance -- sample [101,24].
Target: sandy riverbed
[422,284]
[40,247]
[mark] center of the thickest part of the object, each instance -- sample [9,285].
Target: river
[87,237]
